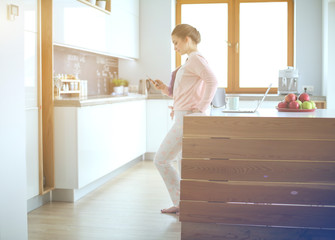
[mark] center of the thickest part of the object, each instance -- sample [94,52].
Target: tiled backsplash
[97,69]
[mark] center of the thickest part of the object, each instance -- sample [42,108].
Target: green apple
[313,104]
[300,104]
[307,105]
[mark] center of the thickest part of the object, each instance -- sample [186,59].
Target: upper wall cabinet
[124,39]
[128,6]
[82,26]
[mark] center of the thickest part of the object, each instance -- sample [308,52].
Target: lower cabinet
[158,122]
[91,142]
[32,154]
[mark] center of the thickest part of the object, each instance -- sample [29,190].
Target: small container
[233,103]
[63,87]
[72,86]
[83,88]
[125,90]
[118,90]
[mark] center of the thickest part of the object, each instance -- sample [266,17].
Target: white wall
[157,21]
[330,56]
[156,60]
[308,47]
[324,45]
[13,212]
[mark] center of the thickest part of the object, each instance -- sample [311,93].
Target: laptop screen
[266,93]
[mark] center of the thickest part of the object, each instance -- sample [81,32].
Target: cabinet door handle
[236,47]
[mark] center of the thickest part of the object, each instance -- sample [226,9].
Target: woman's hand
[172,112]
[160,86]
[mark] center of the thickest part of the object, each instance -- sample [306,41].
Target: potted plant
[117,86]
[101,3]
[125,85]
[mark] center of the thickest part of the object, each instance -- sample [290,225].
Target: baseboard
[38,201]
[149,156]
[73,195]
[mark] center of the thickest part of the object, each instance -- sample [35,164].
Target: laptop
[250,110]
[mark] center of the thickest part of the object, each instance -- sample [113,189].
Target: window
[246,42]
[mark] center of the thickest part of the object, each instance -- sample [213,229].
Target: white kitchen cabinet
[129,6]
[110,136]
[158,122]
[79,25]
[91,142]
[31,97]
[124,40]
[32,159]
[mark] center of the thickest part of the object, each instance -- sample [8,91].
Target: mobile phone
[151,80]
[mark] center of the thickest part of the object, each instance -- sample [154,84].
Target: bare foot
[171,210]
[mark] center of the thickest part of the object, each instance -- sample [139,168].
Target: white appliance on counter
[288,81]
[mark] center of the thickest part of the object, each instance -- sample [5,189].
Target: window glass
[263,43]
[211,20]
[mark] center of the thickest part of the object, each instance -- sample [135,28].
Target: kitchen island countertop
[96,100]
[246,97]
[272,112]
[108,99]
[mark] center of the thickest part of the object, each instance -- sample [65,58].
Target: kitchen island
[266,175]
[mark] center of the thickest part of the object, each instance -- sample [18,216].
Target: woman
[192,87]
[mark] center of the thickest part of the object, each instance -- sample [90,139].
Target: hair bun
[186,30]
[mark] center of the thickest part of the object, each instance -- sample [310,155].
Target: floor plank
[126,208]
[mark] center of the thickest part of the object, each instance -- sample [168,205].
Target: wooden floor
[126,208]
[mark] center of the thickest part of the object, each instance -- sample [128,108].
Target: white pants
[169,152]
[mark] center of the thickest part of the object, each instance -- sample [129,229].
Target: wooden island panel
[271,177]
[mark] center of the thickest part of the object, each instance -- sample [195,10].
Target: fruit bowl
[294,110]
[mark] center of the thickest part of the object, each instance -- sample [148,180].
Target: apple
[290,97]
[282,105]
[307,105]
[313,104]
[304,97]
[293,105]
[300,104]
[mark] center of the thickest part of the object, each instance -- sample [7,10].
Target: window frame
[233,39]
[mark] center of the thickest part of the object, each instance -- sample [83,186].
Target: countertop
[272,112]
[247,97]
[108,99]
[96,100]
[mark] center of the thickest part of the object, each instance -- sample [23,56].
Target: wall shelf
[70,91]
[108,6]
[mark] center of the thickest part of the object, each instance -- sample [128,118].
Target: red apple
[294,105]
[290,97]
[304,97]
[282,105]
